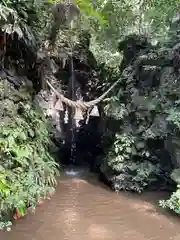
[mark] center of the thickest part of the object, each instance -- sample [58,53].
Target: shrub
[27,170]
[173,202]
[130,172]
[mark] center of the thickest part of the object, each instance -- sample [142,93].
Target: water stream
[82,208]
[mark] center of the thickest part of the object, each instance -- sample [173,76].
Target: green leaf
[11,141]
[128,150]
[31,133]
[116,149]
[22,211]
[22,136]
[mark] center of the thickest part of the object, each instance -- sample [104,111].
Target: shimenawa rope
[81,104]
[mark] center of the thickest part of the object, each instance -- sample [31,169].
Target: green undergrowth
[27,170]
[173,203]
[131,173]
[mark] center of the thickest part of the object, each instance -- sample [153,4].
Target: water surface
[84,209]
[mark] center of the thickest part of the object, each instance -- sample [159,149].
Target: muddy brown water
[84,209]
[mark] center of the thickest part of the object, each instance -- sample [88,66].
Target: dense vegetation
[145,105]
[28,170]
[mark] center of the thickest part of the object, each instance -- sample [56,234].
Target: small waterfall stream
[74,114]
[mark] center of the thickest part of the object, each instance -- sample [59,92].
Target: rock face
[149,107]
[18,54]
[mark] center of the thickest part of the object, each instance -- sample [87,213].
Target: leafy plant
[129,173]
[173,202]
[4,187]
[28,170]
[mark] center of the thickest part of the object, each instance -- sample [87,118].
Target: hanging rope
[81,104]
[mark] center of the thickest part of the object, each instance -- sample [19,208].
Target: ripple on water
[83,209]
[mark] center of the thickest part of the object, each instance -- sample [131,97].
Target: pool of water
[82,208]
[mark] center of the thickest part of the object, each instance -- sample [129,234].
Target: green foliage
[173,202]
[107,20]
[174,116]
[130,173]
[27,170]
[114,109]
[144,110]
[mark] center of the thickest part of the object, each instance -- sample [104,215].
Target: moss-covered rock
[147,116]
